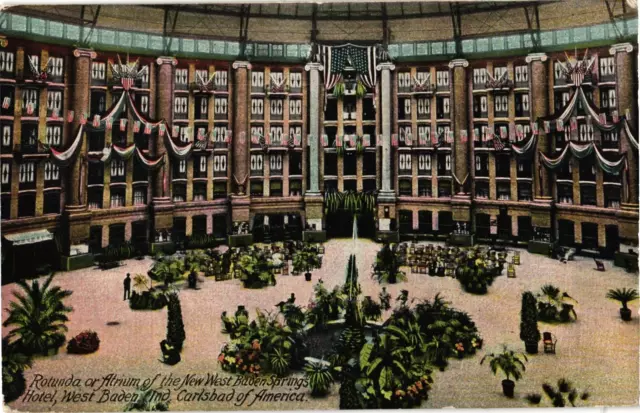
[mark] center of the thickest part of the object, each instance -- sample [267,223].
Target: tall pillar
[626,84]
[77,217]
[461,199]
[541,207]
[386,196]
[240,201]
[313,201]
[162,207]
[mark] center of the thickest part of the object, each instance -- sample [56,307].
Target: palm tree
[624,295]
[511,364]
[14,363]
[168,270]
[142,281]
[39,316]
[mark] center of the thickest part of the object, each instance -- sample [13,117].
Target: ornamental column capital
[241,64]
[314,66]
[458,63]
[536,57]
[621,48]
[3,41]
[85,53]
[167,60]
[386,66]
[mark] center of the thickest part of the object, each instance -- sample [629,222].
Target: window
[444,164]
[54,135]
[585,132]
[610,139]
[295,163]
[295,131]
[369,164]
[219,190]
[277,109]
[27,205]
[275,135]
[98,73]
[560,100]
[143,82]
[7,66]
[499,72]
[29,138]
[94,195]
[6,176]
[424,108]
[118,170]
[404,82]
[479,78]
[27,177]
[295,109]
[501,105]
[588,169]
[275,164]
[404,163]
[565,193]
[202,107]
[522,104]
[56,71]
[524,168]
[522,75]
[5,205]
[257,109]
[442,79]
[608,99]
[442,107]
[182,78]
[612,196]
[404,106]
[349,164]
[219,165]
[424,135]
[404,187]
[444,189]
[219,134]
[179,192]
[256,188]
[257,82]
[330,164]
[180,107]
[503,166]
[220,80]
[424,187]
[96,173]
[295,82]
[7,136]
[54,103]
[480,106]
[275,187]
[424,164]
[481,165]
[51,202]
[406,136]
[199,191]
[142,102]
[588,194]
[51,174]
[503,190]
[482,189]
[29,102]
[180,169]
[524,191]
[558,73]
[607,68]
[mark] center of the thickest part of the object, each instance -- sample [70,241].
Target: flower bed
[84,343]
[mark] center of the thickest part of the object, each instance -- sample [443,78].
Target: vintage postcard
[319,205]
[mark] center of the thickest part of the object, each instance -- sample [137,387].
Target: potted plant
[529,332]
[511,364]
[371,310]
[305,261]
[319,375]
[624,295]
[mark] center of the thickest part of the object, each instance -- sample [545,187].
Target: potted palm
[512,366]
[529,332]
[318,372]
[305,261]
[624,295]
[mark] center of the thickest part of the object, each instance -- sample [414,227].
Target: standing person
[127,287]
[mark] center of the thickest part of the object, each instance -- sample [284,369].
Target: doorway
[612,240]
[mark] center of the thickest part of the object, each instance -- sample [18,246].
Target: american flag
[519,131]
[574,123]
[136,126]
[325,140]
[96,121]
[6,102]
[394,140]
[147,128]
[422,139]
[366,140]
[535,128]
[547,126]
[54,114]
[176,131]
[297,139]
[503,132]
[463,135]
[123,125]
[559,125]
[162,129]
[615,116]
[200,134]
[108,123]
[339,141]
[254,138]
[70,116]
[83,119]
[498,145]
[408,139]
[29,108]
[227,137]
[603,118]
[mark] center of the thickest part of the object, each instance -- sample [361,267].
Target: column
[385,112]
[164,110]
[80,104]
[240,127]
[626,84]
[539,108]
[314,70]
[460,119]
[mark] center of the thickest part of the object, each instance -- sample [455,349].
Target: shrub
[565,393]
[387,266]
[14,363]
[318,372]
[476,279]
[147,300]
[555,305]
[84,343]
[175,325]
[256,270]
[241,358]
[371,310]
[534,398]
[529,332]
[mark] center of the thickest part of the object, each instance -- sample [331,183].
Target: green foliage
[38,315]
[351,202]
[623,295]
[475,279]
[326,305]
[14,363]
[371,310]
[534,398]
[120,252]
[256,271]
[529,319]
[361,90]
[510,363]
[148,300]
[306,260]
[280,361]
[318,373]
[146,400]
[201,241]
[555,305]
[175,325]
[338,89]
[168,269]
[566,393]
[386,268]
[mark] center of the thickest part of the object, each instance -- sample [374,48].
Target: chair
[599,265]
[285,269]
[549,341]
[516,258]
[511,271]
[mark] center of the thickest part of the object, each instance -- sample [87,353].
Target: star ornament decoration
[127,73]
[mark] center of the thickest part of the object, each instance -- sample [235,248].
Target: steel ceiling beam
[88,23]
[612,17]
[456,20]
[244,30]
[169,27]
[533,24]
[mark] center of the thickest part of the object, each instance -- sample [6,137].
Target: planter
[508,387]
[625,314]
[531,347]
[307,276]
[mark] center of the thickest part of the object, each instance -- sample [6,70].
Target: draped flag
[535,128]
[366,140]
[30,108]
[559,125]
[147,128]
[96,121]
[325,140]
[136,126]
[339,141]
[70,115]
[123,125]
[176,131]
[6,102]
[498,144]
[108,123]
